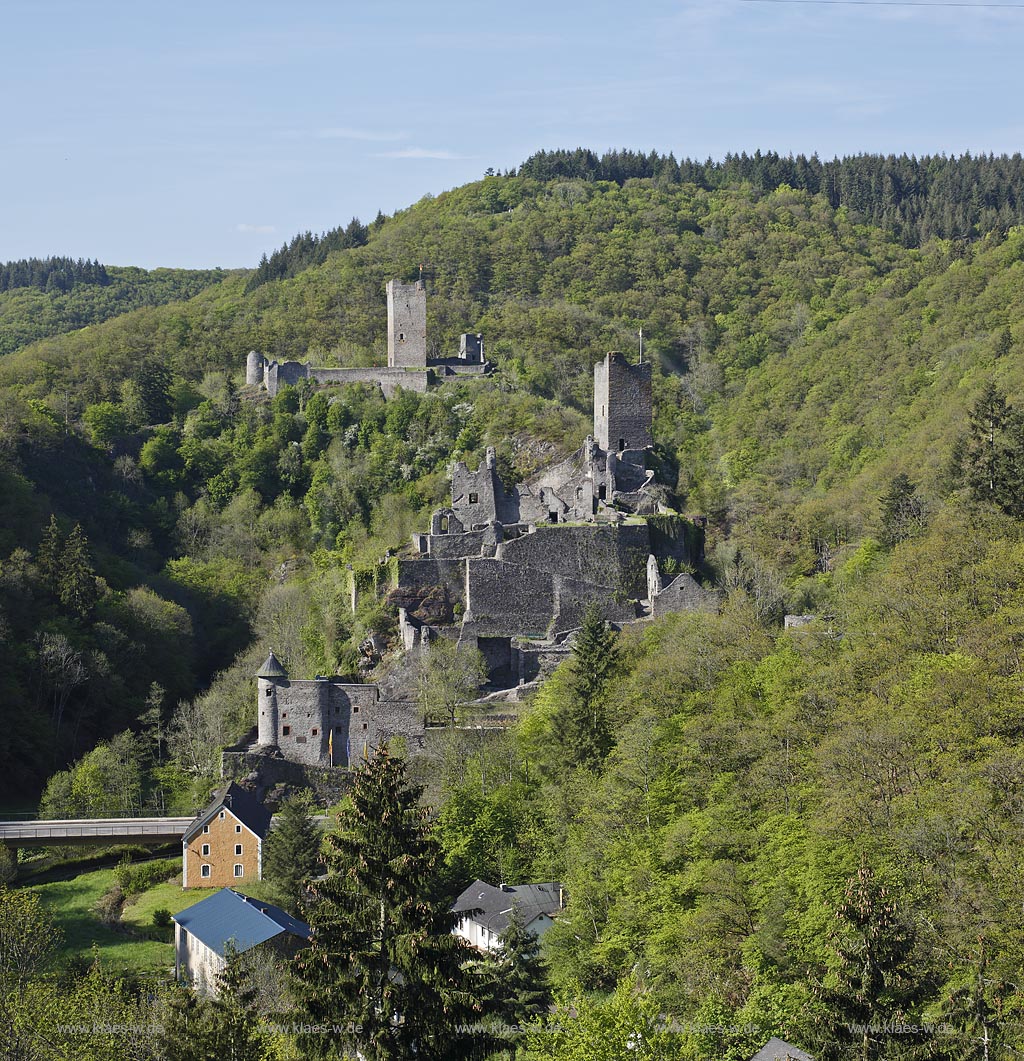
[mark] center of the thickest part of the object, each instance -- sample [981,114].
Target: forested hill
[40,297]
[802,360]
[739,813]
[917,199]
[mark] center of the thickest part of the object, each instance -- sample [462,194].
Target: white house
[485,910]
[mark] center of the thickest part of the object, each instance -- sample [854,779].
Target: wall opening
[622,444]
[602,492]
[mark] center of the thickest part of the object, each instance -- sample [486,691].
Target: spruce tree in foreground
[523,979]
[292,851]
[384,965]
[581,726]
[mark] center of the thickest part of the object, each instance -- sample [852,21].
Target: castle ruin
[408,366]
[509,571]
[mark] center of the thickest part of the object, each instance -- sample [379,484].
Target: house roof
[230,918]
[491,906]
[243,805]
[272,668]
[777,1050]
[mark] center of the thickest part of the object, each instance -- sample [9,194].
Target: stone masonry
[511,570]
[408,366]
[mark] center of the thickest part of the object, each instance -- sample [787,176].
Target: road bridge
[62,833]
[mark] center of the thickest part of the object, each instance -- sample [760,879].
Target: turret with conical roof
[272,668]
[268,678]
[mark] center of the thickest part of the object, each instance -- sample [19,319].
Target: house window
[206,851]
[204,871]
[474,499]
[221,815]
[355,709]
[622,444]
[364,725]
[284,714]
[206,828]
[238,849]
[238,828]
[286,731]
[268,691]
[314,731]
[239,869]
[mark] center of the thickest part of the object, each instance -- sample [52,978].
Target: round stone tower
[269,678]
[254,365]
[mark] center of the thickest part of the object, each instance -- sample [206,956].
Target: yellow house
[223,847]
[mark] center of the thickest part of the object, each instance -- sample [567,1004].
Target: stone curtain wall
[606,555]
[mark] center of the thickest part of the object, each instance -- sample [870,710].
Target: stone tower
[268,680]
[622,404]
[407,325]
[254,366]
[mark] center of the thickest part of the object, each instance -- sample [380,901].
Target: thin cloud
[346,133]
[420,152]
[261,229]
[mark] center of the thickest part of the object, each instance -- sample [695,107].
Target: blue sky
[201,134]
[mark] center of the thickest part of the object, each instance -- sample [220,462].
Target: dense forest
[739,813]
[40,297]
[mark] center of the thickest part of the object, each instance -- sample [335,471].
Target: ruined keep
[408,366]
[511,571]
[407,325]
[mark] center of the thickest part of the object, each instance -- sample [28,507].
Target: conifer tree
[581,725]
[77,580]
[525,992]
[49,554]
[993,454]
[875,981]
[902,511]
[383,962]
[292,850]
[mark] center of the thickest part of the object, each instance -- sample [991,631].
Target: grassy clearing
[72,904]
[138,909]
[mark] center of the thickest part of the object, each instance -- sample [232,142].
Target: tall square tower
[622,404]
[407,325]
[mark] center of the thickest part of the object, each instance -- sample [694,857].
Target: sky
[201,134]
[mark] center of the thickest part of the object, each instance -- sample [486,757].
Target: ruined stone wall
[478,497]
[676,538]
[507,599]
[574,597]
[622,404]
[430,588]
[407,324]
[604,554]
[453,546]
[684,594]
[388,719]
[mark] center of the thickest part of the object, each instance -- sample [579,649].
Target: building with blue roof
[230,923]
